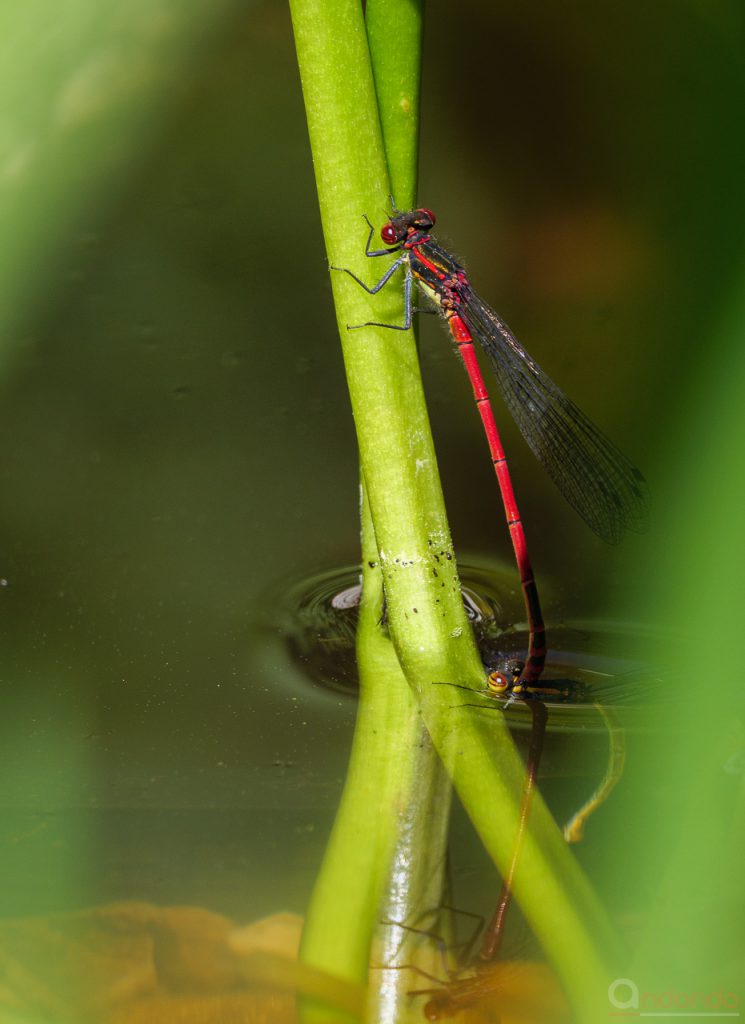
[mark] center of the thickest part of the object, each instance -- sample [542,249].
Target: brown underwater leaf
[136,963]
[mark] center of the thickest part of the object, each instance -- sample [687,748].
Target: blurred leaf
[84,89]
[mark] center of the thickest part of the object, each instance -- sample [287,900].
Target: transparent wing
[639,688]
[597,480]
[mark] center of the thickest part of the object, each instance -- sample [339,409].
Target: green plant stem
[383,818]
[425,614]
[396,450]
[394,31]
[380,789]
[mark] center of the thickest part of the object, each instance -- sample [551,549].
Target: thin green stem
[394,31]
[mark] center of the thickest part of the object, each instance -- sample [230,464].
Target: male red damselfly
[598,481]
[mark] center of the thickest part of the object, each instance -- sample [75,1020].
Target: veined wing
[597,480]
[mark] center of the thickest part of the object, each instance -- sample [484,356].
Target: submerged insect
[521,991]
[489,989]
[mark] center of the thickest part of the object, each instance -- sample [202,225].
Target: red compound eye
[388,234]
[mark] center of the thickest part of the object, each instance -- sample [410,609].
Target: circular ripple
[319,621]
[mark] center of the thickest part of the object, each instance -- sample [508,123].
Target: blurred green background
[176,440]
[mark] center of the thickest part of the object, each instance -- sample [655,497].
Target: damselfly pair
[601,484]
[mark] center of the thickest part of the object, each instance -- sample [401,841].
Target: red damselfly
[569,692]
[602,485]
[486,988]
[492,938]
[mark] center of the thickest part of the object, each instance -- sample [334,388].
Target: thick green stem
[384,820]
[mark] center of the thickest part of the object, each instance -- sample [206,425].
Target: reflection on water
[318,617]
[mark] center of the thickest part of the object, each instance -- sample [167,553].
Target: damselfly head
[434,1008]
[503,679]
[390,233]
[397,228]
[498,682]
